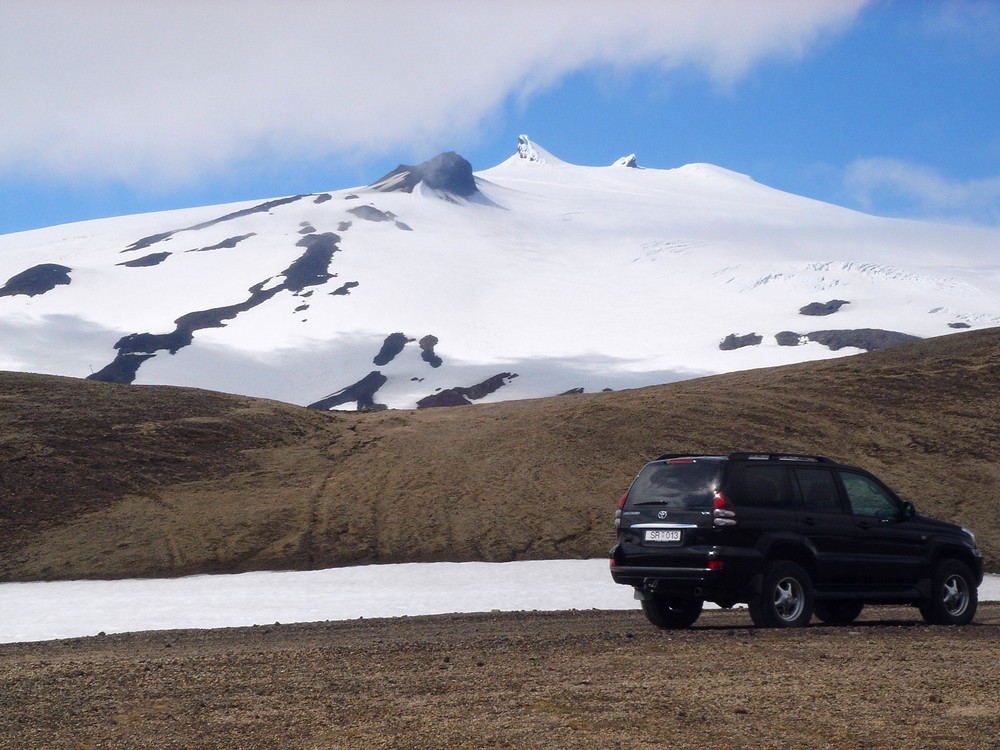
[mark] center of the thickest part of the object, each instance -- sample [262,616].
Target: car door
[831,530]
[891,545]
[765,505]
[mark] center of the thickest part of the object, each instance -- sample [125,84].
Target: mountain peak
[627,161]
[528,151]
[359,298]
[447,172]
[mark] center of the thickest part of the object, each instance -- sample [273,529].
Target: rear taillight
[723,513]
[618,513]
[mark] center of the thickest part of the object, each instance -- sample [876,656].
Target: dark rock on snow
[788,338]
[153,259]
[309,269]
[363,393]
[447,172]
[464,396]
[344,289]
[732,341]
[36,280]
[392,346]
[370,213]
[264,207]
[228,243]
[427,344]
[823,308]
[869,339]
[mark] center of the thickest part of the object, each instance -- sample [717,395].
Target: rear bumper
[689,574]
[699,583]
[637,575]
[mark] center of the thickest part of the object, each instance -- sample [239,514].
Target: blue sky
[112,108]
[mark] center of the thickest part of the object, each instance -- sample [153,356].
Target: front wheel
[786,597]
[671,613]
[953,595]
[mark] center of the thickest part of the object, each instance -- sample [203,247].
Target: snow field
[70,609]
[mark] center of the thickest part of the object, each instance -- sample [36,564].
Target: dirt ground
[589,679]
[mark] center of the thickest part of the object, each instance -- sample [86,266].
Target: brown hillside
[99,480]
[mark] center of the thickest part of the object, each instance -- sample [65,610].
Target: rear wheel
[953,595]
[786,597]
[671,613]
[838,612]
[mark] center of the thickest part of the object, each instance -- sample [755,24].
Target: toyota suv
[791,536]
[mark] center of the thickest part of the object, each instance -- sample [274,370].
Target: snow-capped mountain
[437,285]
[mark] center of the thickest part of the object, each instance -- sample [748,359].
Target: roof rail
[753,456]
[668,456]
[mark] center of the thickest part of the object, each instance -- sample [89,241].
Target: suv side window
[867,497]
[759,486]
[819,490]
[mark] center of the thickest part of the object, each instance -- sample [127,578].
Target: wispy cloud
[916,190]
[976,22]
[166,90]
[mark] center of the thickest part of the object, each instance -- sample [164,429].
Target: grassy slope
[98,480]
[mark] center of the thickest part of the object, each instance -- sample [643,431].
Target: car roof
[746,456]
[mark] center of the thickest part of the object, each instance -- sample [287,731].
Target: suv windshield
[688,484]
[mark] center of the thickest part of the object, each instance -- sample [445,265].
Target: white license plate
[663,535]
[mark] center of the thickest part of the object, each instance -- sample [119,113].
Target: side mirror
[909,511]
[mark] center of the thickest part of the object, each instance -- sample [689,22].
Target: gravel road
[591,679]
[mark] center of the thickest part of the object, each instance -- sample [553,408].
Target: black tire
[672,613]
[954,596]
[838,612]
[786,597]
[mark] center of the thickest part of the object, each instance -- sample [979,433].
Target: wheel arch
[944,553]
[792,551]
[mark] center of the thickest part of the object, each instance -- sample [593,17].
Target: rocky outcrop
[36,280]
[362,393]
[447,172]
[732,341]
[823,308]
[627,161]
[461,396]
[869,339]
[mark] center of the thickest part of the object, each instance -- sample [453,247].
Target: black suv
[790,536]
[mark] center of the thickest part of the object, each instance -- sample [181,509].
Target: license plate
[663,535]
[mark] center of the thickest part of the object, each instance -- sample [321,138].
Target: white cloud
[166,90]
[918,190]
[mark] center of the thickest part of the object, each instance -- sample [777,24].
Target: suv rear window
[688,484]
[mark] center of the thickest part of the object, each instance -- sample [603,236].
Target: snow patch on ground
[70,609]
